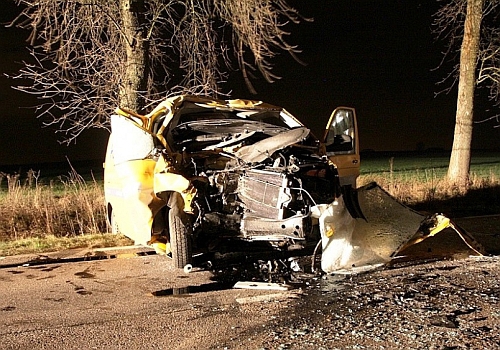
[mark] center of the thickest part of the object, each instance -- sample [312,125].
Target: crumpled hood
[260,151]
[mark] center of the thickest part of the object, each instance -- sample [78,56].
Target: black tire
[180,232]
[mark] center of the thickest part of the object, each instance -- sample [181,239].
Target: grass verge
[50,243]
[42,216]
[421,184]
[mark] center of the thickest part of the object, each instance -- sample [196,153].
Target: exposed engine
[270,201]
[200,170]
[257,173]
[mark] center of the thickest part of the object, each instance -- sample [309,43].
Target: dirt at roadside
[435,296]
[450,304]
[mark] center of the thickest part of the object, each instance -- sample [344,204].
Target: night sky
[377,56]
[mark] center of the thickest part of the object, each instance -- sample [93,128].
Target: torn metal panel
[255,228]
[130,141]
[261,150]
[133,197]
[355,245]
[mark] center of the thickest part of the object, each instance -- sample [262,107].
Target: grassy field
[44,211]
[418,180]
[423,167]
[428,169]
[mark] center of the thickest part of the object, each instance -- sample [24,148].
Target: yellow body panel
[129,191]
[170,182]
[348,168]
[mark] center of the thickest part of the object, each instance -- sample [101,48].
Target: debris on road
[260,285]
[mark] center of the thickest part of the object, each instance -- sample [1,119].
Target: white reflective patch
[292,123]
[129,142]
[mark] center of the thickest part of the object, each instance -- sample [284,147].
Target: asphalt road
[134,301]
[125,303]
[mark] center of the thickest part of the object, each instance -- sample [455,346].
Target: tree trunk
[137,55]
[458,170]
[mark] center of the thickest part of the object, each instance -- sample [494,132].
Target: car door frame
[346,159]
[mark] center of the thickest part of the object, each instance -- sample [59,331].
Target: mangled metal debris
[388,227]
[197,171]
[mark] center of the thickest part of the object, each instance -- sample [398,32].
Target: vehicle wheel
[180,232]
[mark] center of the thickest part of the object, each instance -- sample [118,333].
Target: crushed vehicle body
[197,170]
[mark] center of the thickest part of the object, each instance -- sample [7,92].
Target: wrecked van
[198,170]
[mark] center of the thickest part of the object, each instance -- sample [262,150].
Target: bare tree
[475,23]
[88,56]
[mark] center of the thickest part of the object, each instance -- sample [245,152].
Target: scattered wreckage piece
[351,245]
[260,285]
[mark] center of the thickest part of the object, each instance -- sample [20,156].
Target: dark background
[377,56]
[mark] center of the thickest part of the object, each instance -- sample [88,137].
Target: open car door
[342,145]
